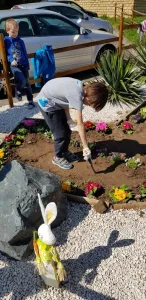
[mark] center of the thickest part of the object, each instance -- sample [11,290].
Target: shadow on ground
[86,267]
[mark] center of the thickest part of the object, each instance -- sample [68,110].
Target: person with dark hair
[55,99]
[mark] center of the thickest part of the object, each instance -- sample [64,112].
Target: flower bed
[118,158]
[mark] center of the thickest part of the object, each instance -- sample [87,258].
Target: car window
[67,11]
[45,7]
[75,5]
[55,26]
[25,27]
[2,27]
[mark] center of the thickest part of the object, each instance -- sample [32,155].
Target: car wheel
[104,50]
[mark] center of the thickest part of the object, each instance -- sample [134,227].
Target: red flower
[89,187]
[144,185]
[127,126]
[10,138]
[89,125]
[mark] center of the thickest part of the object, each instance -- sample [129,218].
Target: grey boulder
[19,209]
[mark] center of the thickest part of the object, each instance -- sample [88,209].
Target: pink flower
[101,126]
[29,123]
[144,185]
[10,137]
[127,125]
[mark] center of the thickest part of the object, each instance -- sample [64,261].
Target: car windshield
[76,5]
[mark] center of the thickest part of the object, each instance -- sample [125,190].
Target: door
[59,32]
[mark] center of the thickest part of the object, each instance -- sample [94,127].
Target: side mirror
[83,30]
[85,17]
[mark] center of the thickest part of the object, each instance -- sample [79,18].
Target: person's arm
[67,113]
[9,54]
[81,128]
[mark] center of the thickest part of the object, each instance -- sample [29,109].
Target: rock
[100,207]
[15,251]
[19,209]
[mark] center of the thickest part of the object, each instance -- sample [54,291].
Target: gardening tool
[91,164]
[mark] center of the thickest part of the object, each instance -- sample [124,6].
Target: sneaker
[31,105]
[71,157]
[61,162]
[18,95]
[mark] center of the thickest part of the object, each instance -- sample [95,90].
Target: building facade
[107,7]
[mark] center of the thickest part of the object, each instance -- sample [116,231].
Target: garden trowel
[91,163]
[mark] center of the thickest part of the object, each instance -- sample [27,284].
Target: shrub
[122,77]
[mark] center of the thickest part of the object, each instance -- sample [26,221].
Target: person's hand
[14,63]
[86,153]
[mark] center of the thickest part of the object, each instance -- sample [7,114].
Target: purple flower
[29,123]
[137,117]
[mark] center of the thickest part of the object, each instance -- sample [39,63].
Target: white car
[40,27]
[74,14]
[72,3]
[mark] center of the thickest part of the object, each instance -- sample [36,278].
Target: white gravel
[104,256]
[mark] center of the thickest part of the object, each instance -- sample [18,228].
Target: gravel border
[104,255]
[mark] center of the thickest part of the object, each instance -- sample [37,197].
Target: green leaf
[124,187]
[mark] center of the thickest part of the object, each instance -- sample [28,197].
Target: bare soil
[37,151]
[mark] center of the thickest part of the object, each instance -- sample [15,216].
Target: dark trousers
[22,81]
[57,122]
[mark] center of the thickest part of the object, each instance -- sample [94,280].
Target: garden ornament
[47,258]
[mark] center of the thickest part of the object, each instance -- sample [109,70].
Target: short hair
[10,23]
[97,92]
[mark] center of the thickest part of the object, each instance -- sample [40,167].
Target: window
[75,5]
[68,12]
[2,27]
[25,27]
[53,26]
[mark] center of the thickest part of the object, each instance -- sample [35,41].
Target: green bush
[122,77]
[141,57]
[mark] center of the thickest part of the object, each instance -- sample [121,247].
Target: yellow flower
[144,109]
[66,186]
[18,143]
[1,153]
[120,194]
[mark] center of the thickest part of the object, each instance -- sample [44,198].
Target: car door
[60,32]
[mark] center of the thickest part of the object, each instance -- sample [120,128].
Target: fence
[5,75]
[123,25]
